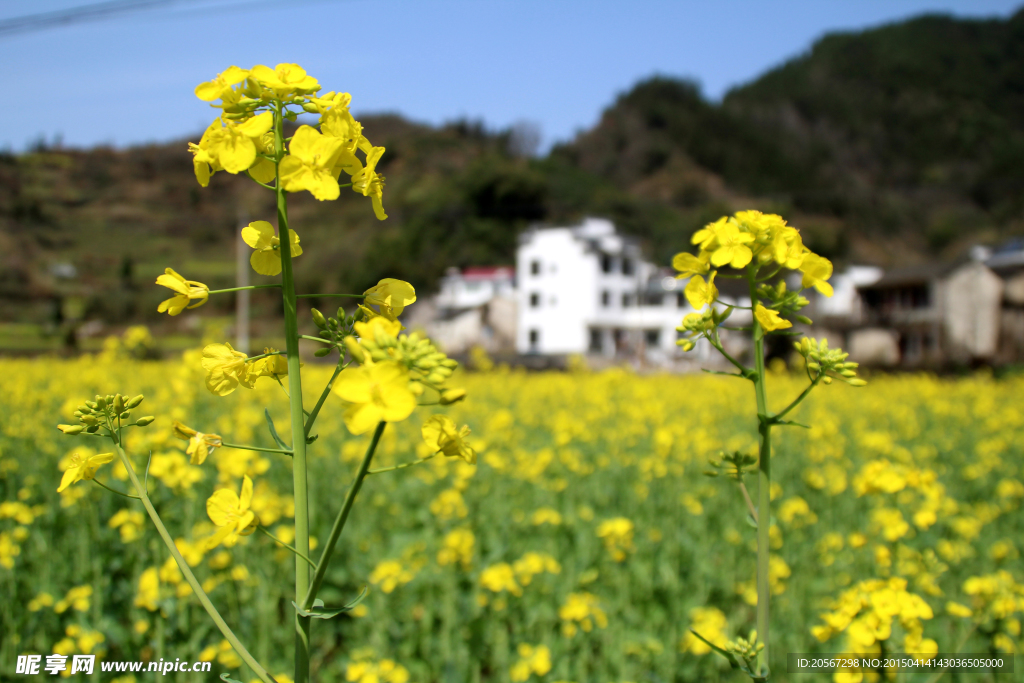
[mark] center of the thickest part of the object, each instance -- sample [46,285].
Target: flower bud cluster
[703,324]
[332,329]
[746,649]
[104,411]
[783,301]
[733,465]
[417,353]
[821,360]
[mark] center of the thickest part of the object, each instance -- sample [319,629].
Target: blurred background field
[588,493]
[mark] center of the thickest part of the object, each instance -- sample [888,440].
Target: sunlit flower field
[582,546]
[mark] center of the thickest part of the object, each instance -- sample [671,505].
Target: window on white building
[606,298]
[596,341]
[535,268]
[654,299]
[534,339]
[627,299]
[627,266]
[652,338]
[680,300]
[535,300]
[606,263]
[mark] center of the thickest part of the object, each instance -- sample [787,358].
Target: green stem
[126,495]
[402,466]
[299,483]
[239,289]
[186,571]
[764,482]
[278,540]
[744,370]
[316,339]
[240,447]
[323,397]
[799,398]
[339,522]
[317,296]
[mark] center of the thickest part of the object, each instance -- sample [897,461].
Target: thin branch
[316,339]
[126,495]
[269,187]
[796,401]
[238,289]
[317,296]
[402,466]
[750,502]
[241,447]
[264,530]
[323,397]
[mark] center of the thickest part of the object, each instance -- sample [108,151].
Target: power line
[74,15]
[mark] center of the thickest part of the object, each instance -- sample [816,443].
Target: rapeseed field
[581,546]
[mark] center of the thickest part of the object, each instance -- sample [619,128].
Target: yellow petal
[266,262]
[221,506]
[258,234]
[246,498]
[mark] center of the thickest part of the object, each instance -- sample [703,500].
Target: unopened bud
[449,396]
[71,430]
[340,313]
[134,402]
[143,421]
[119,403]
[310,108]
[320,353]
[803,319]
[101,403]
[318,319]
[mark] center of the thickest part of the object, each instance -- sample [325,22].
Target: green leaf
[228,679]
[319,611]
[273,431]
[792,423]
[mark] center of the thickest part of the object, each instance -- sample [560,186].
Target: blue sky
[555,63]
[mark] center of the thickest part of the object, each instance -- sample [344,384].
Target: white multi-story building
[588,290]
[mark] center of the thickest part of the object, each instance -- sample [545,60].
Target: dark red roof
[488,272]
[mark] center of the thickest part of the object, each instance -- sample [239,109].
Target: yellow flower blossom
[369,183]
[199,445]
[442,436]
[231,513]
[310,164]
[617,535]
[391,296]
[700,293]
[457,547]
[129,523]
[384,671]
[500,577]
[532,660]
[710,623]
[770,319]
[229,146]
[816,271]
[731,245]
[377,393]
[581,610]
[390,574]
[689,265]
[83,467]
[266,260]
[186,291]
[79,598]
[284,79]
[209,91]
[226,369]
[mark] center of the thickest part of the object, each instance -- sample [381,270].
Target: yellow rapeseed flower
[816,271]
[310,164]
[532,660]
[266,260]
[284,79]
[378,393]
[83,467]
[369,183]
[199,445]
[441,435]
[231,513]
[689,265]
[226,369]
[731,245]
[617,535]
[186,291]
[770,319]
[215,89]
[700,293]
[391,296]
